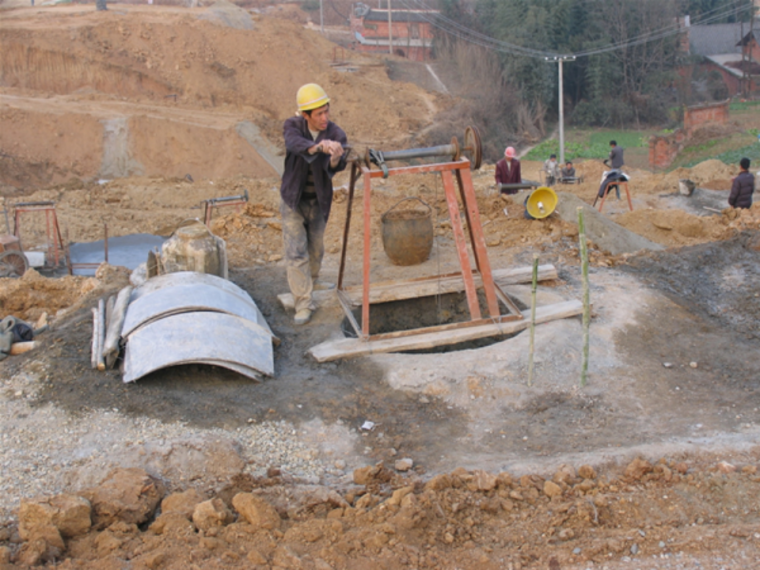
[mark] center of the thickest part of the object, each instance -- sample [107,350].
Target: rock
[255,557]
[183,503]
[398,495]
[482,481]
[129,495]
[693,364]
[156,559]
[256,511]
[364,475]
[726,467]
[681,467]
[286,558]
[44,543]
[686,187]
[566,534]
[172,523]
[69,514]
[638,468]
[504,480]
[404,464]
[587,472]
[749,469]
[211,514]
[551,489]
[565,474]
[5,555]
[667,364]
[340,464]
[438,483]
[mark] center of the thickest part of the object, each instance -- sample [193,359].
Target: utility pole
[560,59]
[390,30]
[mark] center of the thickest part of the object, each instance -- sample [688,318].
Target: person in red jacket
[743,187]
[508,170]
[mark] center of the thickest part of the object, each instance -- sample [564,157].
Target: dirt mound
[710,174]
[677,228]
[27,298]
[463,519]
[106,105]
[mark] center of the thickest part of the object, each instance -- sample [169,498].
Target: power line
[454,28]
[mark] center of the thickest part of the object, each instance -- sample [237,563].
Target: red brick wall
[664,149]
[714,113]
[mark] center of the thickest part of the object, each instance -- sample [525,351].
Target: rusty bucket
[408,233]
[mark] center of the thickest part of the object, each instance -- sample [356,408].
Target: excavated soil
[674,365]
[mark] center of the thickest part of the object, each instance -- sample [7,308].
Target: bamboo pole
[586,294]
[533,288]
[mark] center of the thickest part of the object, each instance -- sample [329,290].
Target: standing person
[615,162]
[315,153]
[508,170]
[743,187]
[616,156]
[551,169]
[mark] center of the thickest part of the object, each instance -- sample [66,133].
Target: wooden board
[352,347]
[385,291]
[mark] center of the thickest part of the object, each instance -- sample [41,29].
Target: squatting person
[315,152]
[508,170]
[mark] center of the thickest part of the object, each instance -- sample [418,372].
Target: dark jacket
[298,162]
[616,157]
[741,190]
[506,175]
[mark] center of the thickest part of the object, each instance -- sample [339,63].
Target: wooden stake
[586,294]
[101,333]
[22,347]
[95,336]
[534,286]
[113,333]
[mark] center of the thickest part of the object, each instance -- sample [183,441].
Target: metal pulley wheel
[13,264]
[473,148]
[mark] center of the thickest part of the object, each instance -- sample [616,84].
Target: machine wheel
[13,264]
[473,147]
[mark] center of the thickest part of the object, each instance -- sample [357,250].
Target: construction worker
[615,162]
[508,170]
[742,187]
[315,153]
[615,159]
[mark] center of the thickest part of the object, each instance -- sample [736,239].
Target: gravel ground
[44,450]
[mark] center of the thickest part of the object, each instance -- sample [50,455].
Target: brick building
[410,31]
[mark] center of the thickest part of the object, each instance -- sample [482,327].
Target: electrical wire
[453,28]
[344,17]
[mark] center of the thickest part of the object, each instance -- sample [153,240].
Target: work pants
[303,231]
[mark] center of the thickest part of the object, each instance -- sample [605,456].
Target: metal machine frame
[459,170]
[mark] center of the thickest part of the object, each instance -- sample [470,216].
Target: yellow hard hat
[311,96]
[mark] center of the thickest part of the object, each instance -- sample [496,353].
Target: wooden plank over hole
[386,291]
[352,348]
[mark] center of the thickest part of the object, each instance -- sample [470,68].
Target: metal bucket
[408,234]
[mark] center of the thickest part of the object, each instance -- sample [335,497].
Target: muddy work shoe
[302,317]
[323,285]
